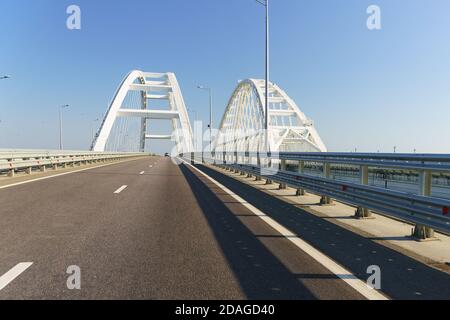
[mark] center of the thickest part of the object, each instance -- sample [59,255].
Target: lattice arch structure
[242,125]
[125,126]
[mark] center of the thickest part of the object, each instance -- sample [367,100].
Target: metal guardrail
[16,160]
[422,210]
[414,162]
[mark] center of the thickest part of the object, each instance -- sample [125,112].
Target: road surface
[148,229]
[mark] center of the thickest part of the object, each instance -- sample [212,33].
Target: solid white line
[13,273]
[120,189]
[327,262]
[59,175]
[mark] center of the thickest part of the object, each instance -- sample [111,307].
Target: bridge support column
[301,168]
[422,232]
[361,212]
[326,200]
[283,186]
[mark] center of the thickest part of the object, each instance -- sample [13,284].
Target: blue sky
[364,89]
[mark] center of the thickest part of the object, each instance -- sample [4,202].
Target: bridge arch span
[136,98]
[241,128]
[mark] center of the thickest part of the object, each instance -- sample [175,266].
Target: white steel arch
[152,86]
[242,126]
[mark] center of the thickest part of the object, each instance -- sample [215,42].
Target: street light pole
[61,147]
[265,3]
[210,114]
[267,76]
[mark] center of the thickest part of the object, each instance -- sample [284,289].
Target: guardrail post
[227,160]
[258,164]
[249,162]
[28,170]
[236,161]
[361,212]
[283,186]
[326,200]
[301,169]
[422,232]
[244,161]
[269,166]
[11,173]
[42,168]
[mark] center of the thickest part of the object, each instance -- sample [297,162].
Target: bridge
[238,220]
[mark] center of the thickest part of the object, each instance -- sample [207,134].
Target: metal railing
[421,209]
[12,161]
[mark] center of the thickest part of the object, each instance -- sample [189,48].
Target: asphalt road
[171,234]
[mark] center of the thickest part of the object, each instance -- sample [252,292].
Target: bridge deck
[173,234]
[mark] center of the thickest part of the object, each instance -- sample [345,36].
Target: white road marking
[142,172]
[150,166]
[342,273]
[8,277]
[120,189]
[59,175]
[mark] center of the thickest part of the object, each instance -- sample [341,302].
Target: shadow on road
[260,274]
[402,277]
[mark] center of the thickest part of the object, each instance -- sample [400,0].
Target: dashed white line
[60,174]
[142,172]
[120,189]
[321,258]
[8,277]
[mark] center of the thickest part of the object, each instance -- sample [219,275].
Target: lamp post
[265,3]
[61,147]
[210,113]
